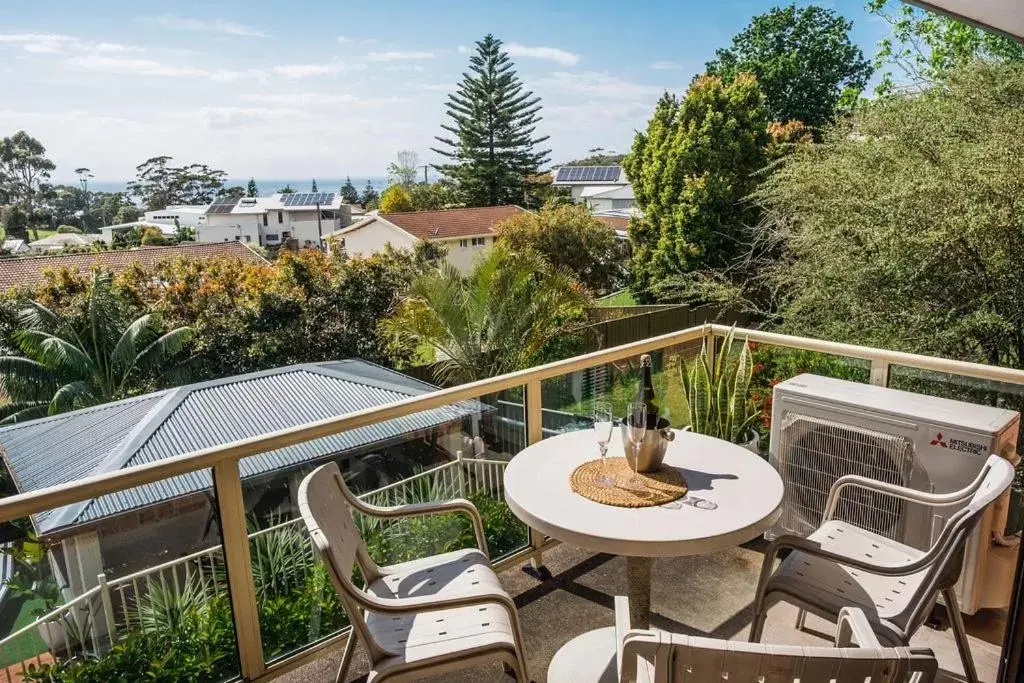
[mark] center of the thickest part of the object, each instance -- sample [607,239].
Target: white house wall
[374,236]
[462,257]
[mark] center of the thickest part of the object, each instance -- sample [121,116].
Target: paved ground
[708,595]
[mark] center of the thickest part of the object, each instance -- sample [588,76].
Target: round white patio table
[744,490]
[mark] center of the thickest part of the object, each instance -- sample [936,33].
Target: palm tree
[497,319]
[69,363]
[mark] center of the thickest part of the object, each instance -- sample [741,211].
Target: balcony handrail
[84,598]
[995,373]
[24,504]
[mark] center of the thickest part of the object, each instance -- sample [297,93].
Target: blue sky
[295,90]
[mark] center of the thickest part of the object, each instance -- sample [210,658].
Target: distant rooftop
[293,201]
[451,223]
[64,448]
[30,271]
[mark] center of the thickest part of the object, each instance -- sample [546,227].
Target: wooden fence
[633,323]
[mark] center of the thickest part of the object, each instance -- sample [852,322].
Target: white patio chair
[420,618]
[649,656]
[842,565]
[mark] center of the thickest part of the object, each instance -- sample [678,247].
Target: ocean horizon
[266,187]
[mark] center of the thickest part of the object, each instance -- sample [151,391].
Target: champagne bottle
[645,394]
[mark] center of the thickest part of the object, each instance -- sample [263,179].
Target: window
[280,216]
[238,238]
[285,235]
[622,203]
[479,241]
[463,243]
[273,237]
[264,220]
[248,238]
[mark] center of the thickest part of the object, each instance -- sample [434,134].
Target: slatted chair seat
[425,641]
[822,585]
[426,617]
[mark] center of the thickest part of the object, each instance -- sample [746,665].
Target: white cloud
[404,67]
[307,70]
[554,54]
[40,43]
[598,84]
[318,98]
[236,117]
[115,47]
[462,49]
[151,67]
[437,87]
[398,56]
[213,26]
[667,66]
[344,39]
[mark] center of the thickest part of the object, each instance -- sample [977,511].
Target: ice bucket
[652,448]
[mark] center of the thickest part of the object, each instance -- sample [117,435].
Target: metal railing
[224,459]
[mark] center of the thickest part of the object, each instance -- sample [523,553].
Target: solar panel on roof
[307,198]
[588,174]
[222,205]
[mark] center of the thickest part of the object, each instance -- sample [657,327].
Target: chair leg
[960,634]
[346,657]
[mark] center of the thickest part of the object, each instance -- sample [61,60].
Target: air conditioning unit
[824,428]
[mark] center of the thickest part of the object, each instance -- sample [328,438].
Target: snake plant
[718,398]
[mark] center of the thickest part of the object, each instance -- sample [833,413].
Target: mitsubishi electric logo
[959,445]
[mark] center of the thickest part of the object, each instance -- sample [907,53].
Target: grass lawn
[620,298]
[621,388]
[16,613]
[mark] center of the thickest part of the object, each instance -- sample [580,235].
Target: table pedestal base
[638,578]
[587,658]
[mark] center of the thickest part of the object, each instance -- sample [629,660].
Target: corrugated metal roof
[148,428]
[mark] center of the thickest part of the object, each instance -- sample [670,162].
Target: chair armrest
[894,490]
[430,508]
[854,629]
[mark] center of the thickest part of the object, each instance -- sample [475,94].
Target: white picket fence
[91,622]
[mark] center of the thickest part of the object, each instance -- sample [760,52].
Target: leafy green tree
[499,318]
[402,171]
[234,192]
[395,200]
[312,186]
[349,193]
[690,170]
[15,222]
[73,361]
[287,189]
[23,168]
[435,196]
[804,61]
[598,156]
[570,239]
[128,213]
[252,190]
[369,197]
[903,229]
[158,184]
[922,46]
[492,150]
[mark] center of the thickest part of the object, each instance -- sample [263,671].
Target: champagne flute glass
[637,421]
[603,425]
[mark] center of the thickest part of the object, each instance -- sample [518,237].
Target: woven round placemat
[660,487]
